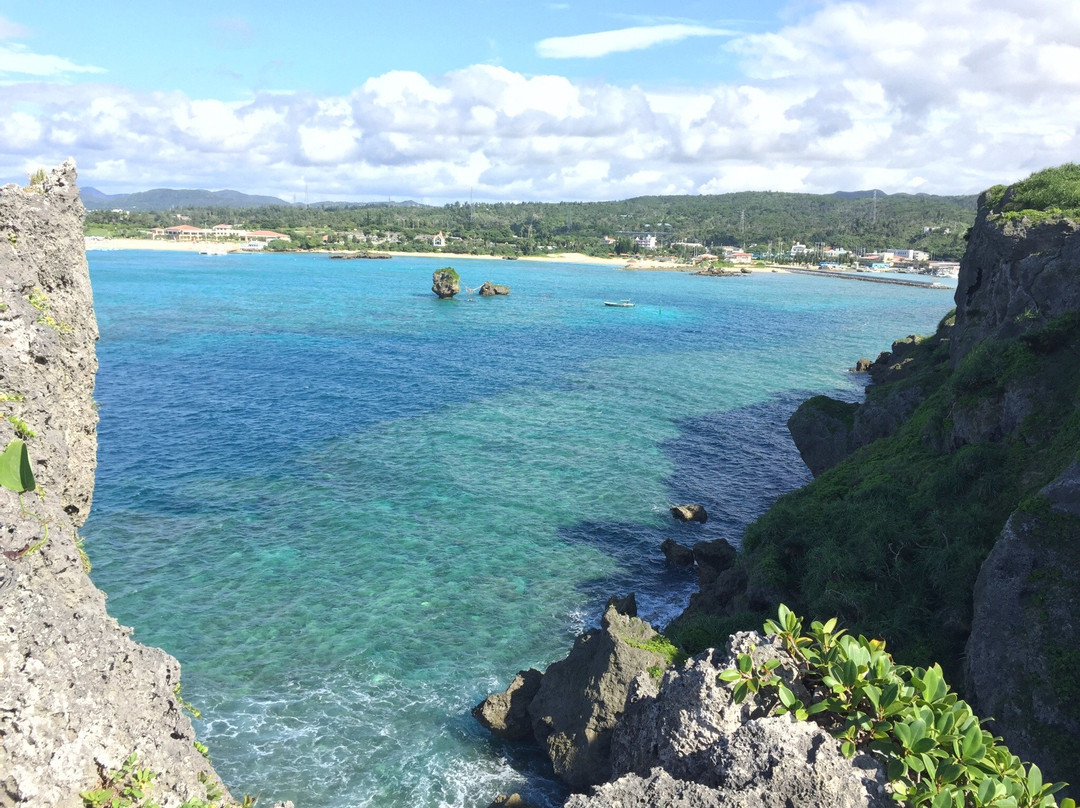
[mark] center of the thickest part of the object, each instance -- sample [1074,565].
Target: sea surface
[352,510]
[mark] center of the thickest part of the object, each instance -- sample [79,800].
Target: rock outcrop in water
[445,282]
[77,695]
[578,700]
[489,289]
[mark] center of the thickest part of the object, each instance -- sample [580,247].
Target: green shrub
[934,748]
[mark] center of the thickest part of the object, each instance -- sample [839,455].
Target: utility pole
[874,219]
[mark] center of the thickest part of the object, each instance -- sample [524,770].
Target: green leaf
[729,675]
[903,734]
[15,472]
[787,698]
[819,707]
[897,769]
[740,692]
[1034,781]
[745,663]
[943,799]
[847,749]
[923,745]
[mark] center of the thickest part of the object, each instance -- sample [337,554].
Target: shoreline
[229,248]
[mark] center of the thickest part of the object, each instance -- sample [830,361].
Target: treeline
[753,220]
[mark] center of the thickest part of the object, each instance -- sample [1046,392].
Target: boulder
[445,282]
[581,697]
[490,289]
[690,513]
[677,554]
[506,715]
[862,365]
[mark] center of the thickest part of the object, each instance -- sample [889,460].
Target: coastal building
[646,242]
[740,257]
[912,255]
[798,248]
[264,236]
[185,232]
[438,240]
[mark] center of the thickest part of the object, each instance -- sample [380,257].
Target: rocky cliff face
[77,695]
[1015,275]
[1022,657]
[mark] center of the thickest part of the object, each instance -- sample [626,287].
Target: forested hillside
[765,222]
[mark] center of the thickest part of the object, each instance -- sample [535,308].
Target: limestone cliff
[77,695]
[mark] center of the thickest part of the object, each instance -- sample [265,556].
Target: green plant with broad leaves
[933,746]
[126,787]
[15,472]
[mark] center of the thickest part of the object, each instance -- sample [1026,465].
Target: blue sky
[230,50]
[540,100]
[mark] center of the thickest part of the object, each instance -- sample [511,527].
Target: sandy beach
[647,264]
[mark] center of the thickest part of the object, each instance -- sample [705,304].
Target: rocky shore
[990,383]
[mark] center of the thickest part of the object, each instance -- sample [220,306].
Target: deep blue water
[351,509]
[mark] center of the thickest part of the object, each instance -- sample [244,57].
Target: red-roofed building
[267,235]
[185,232]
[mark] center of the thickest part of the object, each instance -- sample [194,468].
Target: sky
[548,101]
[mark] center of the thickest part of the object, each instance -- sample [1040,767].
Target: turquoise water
[351,510]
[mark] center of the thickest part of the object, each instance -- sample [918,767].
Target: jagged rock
[582,696]
[678,554]
[445,282]
[626,606]
[862,365]
[689,730]
[1014,277]
[1021,655]
[77,694]
[713,557]
[690,513]
[490,289]
[822,429]
[506,715]
[658,789]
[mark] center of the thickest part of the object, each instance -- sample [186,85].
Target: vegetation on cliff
[891,539]
[1048,194]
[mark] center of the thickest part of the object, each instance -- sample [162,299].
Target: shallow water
[351,509]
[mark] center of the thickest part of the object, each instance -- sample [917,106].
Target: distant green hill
[170,198]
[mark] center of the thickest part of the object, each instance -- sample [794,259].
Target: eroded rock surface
[77,695]
[686,743]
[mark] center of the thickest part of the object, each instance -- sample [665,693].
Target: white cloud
[602,43]
[942,99]
[17,59]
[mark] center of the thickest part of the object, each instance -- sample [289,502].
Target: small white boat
[621,304]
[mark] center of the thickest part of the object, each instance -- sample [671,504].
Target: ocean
[351,510]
